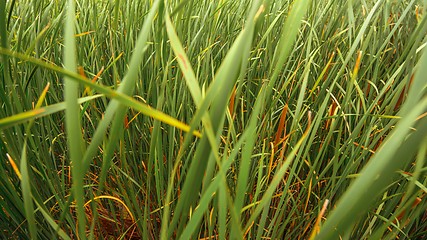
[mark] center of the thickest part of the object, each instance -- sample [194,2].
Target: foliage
[213,119]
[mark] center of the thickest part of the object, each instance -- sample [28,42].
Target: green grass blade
[26,192]
[25,174]
[119,111]
[266,198]
[288,35]
[218,179]
[217,94]
[396,151]
[183,61]
[52,222]
[122,98]
[72,118]
[199,128]
[39,112]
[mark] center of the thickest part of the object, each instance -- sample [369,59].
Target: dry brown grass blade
[281,131]
[232,99]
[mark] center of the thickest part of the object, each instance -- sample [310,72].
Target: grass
[213,119]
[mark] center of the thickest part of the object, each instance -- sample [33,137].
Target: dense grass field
[221,119]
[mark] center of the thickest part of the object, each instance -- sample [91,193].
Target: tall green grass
[213,119]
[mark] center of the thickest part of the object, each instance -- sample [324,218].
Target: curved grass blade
[195,91]
[122,98]
[217,95]
[39,112]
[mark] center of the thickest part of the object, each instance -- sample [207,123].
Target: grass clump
[213,120]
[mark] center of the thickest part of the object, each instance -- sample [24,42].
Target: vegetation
[213,119]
